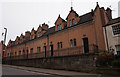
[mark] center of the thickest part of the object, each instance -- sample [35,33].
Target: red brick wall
[92,30]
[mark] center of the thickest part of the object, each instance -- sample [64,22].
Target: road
[8,71]
[17,71]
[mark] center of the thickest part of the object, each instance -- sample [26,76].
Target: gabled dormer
[17,40]
[33,34]
[27,35]
[45,26]
[22,38]
[60,24]
[72,18]
[39,31]
[10,42]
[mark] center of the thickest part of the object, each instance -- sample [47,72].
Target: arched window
[32,36]
[19,52]
[74,42]
[39,34]
[15,53]
[31,50]
[23,51]
[38,49]
[58,27]
[71,43]
[61,44]
[73,21]
[58,45]
[70,23]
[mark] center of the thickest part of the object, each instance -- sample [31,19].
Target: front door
[51,47]
[27,53]
[85,45]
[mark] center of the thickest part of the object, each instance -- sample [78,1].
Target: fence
[59,52]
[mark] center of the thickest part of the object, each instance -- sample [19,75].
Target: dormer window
[73,21]
[32,36]
[39,34]
[70,23]
[59,23]
[58,27]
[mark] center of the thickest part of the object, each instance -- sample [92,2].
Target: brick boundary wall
[83,62]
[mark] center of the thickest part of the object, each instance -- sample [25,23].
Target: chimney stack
[27,33]
[109,13]
[45,26]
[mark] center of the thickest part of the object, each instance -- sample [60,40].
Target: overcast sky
[19,16]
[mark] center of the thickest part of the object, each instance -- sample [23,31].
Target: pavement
[20,71]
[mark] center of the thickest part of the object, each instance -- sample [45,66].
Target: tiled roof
[113,21]
[73,12]
[49,31]
[60,18]
[85,18]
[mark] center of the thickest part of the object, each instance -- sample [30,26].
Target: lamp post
[4,41]
[5,35]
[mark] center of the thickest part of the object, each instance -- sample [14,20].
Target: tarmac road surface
[19,71]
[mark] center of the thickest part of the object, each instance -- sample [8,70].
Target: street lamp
[4,41]
[5,35]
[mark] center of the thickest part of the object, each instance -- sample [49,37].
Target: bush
[104,58]
[115,63]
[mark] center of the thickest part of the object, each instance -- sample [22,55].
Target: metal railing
[59,52]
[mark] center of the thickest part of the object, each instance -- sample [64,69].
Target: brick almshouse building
[73,36]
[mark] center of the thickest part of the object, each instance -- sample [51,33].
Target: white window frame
[60,27]
[112,30]
[73,21]
[32,36]
[71,43]
[70,23]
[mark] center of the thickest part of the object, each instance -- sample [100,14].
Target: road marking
[36,72]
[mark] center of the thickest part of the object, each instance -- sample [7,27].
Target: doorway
[27,53]
[51,48]
[85,45]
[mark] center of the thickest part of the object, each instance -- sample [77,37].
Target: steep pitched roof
[86,17]
[113,21]
[49,31]
[73,12]
[60,18]
[18,37]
